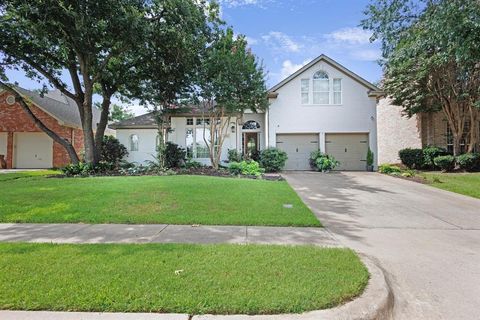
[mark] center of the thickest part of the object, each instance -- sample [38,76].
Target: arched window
[251,125]
[321,88]
[133,142]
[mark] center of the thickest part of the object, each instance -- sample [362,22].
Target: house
[396,131]
[323,106]
[26,146]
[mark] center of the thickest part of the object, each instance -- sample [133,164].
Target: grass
[464,183]
[26,174]
[149,199]
[219,279]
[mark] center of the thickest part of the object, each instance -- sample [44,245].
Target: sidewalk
[162,233]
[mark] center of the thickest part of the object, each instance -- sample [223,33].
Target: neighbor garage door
[298,148]
[33,150]
[350,149]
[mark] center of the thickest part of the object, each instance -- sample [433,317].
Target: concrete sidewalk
[162,233]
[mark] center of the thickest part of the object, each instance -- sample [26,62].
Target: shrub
[79,169]
[174,155]
[389,169]
[370,157]
[192,164]
[255,155]
[446,163]
[250,168]
[322,162]
[469,161]
[412,158]
[234,155]
[273,159]
[112,150]
[430,153]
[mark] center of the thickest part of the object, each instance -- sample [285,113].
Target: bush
[112,150]
[469,161]
[86,169]
[370,157]
[250,168]
[174,155]
[322,162]
[412,158]
[234,155]
[446,163]
[430,153]
[273,159]
[192,164]
[389,169]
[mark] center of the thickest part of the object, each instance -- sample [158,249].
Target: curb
[376,303]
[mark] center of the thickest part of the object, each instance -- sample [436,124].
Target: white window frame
[328,91]
[303,91]
[337,91]
[198,124]
[134,146]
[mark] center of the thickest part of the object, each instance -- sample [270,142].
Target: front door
[250,144]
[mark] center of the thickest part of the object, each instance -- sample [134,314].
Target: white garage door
[350,149]
[298,148]
[3,143]
[33,150]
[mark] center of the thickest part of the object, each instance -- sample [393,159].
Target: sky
[287,34]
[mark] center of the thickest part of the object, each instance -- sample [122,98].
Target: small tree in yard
[230,81]
[431,59]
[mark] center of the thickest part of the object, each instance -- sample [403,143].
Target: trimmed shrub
[174,155]
[411,158]
[389,169]
[430,153]
[322,162]
[273,159]
[446,163]
[249,168]
[192,164]
[112,150]
[469,161]
[234,155]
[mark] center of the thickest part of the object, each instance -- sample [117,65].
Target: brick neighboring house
[26,146]
[396,131]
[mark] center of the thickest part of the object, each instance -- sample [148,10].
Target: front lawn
[194,279]
[152,199]
[26,174]
[464,183]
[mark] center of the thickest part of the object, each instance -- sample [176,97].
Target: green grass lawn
[152,199]
[26,174]
[463,183]
[250,279]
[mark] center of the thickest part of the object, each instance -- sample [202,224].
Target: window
[251,125]
[201,122]
[463,140]
[189,121]
[337,91]
[321,88]
[305,90]
[133,142]
[189,142]
[200,145]
[194,139]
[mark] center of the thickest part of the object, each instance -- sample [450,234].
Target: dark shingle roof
[143,121]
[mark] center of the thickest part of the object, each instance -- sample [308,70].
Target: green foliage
[175,156]
[322,162]
[120,113]
[389,169]
[112,150]
[430,153]
[192,164]
[248,168]
[83,169]
[370,157]
[446,163]
[412,158]
[273,159]
[234,155]
[469,161]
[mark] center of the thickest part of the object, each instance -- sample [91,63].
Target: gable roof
[374,90]
[145,121]
[58,106]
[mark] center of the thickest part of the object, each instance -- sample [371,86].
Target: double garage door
[350,149]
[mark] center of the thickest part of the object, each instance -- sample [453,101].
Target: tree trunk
[102,125]
[67,145]
[88,136]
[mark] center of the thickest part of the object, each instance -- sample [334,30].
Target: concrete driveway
[427,240]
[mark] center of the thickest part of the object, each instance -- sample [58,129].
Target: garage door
[350,149]
[3,143]
[298,148]
[33,150]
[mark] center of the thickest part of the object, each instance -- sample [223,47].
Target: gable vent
[10,100]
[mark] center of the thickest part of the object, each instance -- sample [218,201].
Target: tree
[117,112]
[431,59]
[230,80]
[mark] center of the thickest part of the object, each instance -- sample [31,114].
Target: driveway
[427,240]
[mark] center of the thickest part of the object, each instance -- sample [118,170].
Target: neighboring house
[323,106]
[396,131]
[26,146]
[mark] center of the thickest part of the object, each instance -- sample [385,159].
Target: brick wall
[395,131]
[14,119]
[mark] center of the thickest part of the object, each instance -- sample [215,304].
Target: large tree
[230,81]
[431,59]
